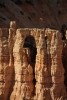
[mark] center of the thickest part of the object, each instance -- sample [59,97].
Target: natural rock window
[30,43]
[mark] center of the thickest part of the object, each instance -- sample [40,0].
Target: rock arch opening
[31,44]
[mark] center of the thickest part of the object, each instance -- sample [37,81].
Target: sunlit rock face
[32,64]
[42,73]
[57,70]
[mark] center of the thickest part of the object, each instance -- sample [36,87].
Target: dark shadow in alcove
[64,61]
[63,31]
[64,54]
[31,44]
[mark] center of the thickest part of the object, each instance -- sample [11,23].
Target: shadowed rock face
[64,61]
[34,13]
[21,78]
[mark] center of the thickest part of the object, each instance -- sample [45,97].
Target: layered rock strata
[42,75]
[23,88]
[57,71]
[10,68]
[17,71]
[5,79]
[1,68]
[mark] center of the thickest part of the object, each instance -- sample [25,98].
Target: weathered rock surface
[23,79]
[57,71]
[42,74]
[23,88]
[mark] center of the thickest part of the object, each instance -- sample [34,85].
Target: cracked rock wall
[17,72]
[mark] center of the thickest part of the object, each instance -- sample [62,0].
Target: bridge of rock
[32,64]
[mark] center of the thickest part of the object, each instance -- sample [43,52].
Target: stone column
[23,88]
[4,62]
[9,71]
[42,75]
[57,71]
[1,69]
[11,40]
[48,35]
